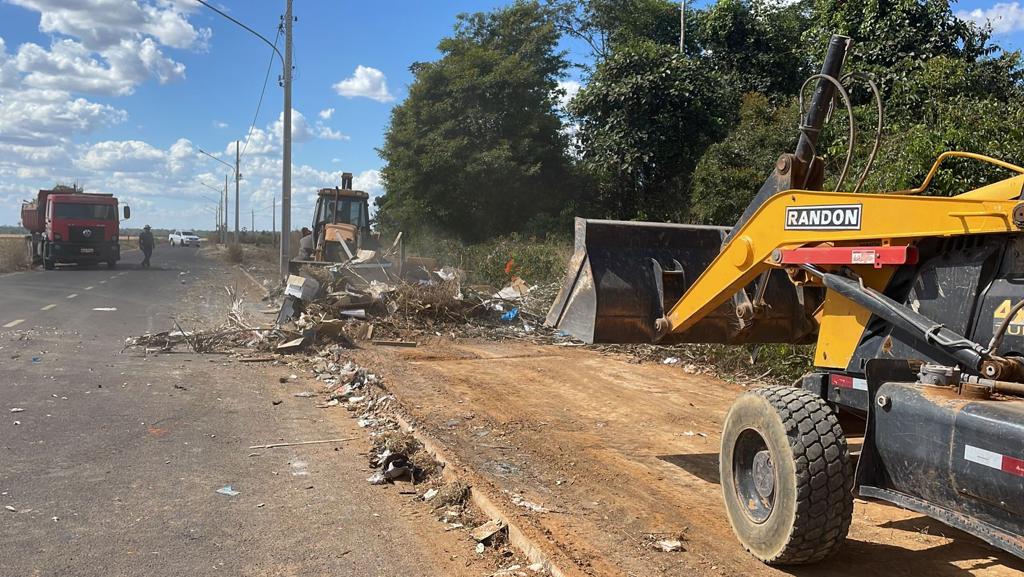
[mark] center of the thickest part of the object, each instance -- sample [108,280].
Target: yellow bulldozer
[915,304]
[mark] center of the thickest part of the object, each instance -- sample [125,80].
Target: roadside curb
[266,292]
[451,470]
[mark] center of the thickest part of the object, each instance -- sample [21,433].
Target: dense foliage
[483,147]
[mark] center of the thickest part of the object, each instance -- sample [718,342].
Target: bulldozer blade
[624,275]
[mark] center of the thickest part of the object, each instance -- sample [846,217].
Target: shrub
[13,254]
[235,254]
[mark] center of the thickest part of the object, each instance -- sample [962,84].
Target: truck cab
[68,225]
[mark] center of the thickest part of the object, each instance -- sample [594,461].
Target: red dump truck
[68,225]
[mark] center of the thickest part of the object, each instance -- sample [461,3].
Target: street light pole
[286,137]
[221,207]
[224,229]
[238,177]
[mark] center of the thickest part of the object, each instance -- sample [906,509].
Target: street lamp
[222,216]
[238,178]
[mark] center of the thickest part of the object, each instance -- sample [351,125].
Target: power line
[257,34]
[266,78]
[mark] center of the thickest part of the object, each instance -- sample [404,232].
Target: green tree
[477,149]
[731,171]
[645,117]
[898,41]
[757,43]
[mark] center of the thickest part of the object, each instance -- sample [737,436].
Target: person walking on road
[146,243]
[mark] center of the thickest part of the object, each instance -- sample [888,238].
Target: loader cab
[342,215]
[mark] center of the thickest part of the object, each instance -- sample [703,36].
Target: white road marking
[105,309]
[14,323]
[115,276]
[48,307]
[103,282]
[88,288]
[72,295]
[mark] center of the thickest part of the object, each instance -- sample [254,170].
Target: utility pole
[252,221]
[682,27]
[286,137]
[273,220]
[224,228]
[238,177]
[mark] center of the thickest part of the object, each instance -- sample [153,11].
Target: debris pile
[237,332]
[326,304]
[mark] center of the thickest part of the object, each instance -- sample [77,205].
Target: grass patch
[13,254]
[537,261]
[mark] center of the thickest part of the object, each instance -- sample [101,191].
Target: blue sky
[119,95]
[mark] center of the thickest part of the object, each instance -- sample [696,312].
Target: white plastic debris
[430,494]
[17,410]
[669,545]
[228,490]
[670,361]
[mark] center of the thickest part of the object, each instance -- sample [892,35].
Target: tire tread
[824,475]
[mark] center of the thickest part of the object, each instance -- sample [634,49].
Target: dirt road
[620,454]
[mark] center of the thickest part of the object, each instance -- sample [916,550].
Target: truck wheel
[786,475]
[48,264]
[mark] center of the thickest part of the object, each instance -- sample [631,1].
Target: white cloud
[369,181]
[1004,17]
[365,82]
[122,156]
[102,24]
[570,88]
[324,114]
[301,131]
[220,124]
[47,117]
[69,65]
[328,133]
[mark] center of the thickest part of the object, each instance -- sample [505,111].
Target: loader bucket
[624,275]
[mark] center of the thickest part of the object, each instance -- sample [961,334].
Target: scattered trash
[669,545]
[275,445]
[304,395]
[16,423]
[105,309]
[430,494]
[17,410]
[11,509]
[293,345]
[395,343]
[521,502]
[510,315]
[302,288]
[228,490]
[488,530]
[37,360]
[671,361]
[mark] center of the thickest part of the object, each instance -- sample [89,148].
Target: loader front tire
[786,475]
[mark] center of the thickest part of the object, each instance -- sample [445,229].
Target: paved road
[113,466]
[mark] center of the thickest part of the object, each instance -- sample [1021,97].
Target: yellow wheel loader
[915,304]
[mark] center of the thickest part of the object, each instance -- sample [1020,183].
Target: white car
[183,238]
